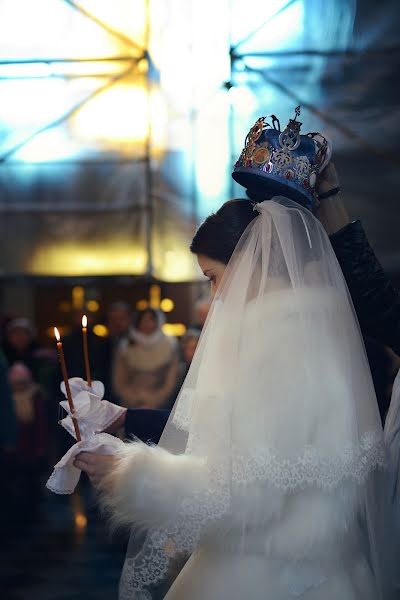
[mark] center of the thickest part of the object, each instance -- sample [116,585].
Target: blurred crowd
[140,366]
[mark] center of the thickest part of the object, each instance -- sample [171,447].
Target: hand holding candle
[67,388]
[85,351]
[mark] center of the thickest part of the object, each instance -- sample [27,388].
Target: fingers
[86,461]
[95,465]
[328,180]
[86,457]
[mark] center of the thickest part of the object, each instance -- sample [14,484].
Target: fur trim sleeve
[146,484]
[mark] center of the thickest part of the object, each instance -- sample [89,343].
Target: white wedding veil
[278,405]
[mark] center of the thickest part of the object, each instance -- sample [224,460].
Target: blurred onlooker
[146,365]
[8,430]
[202,307]
[8,441]
[20,345]
[188,346]
[32,433]
[119,321]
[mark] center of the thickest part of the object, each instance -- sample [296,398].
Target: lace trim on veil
[309,468]
[151,565]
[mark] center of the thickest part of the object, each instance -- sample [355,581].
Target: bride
[271,471]
[272,474]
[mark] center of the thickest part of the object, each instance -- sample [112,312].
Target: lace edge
[56,489]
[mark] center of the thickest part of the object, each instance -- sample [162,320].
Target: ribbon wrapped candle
[85,351]
[65,377]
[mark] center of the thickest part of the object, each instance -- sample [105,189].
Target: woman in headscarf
[146,365]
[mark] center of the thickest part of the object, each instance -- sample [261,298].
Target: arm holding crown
[376,301]
[331,210]
[275,162]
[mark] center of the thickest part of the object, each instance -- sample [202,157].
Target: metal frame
[374,53]
[130,63]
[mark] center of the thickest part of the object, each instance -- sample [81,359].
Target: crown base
[261,186]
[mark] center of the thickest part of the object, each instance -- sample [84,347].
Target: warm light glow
[62,331]
[167,305]
[80,521]
[57,334]
[67,258]
[174,329]
[64,306]
[100,330]
[142,304]
[92,305]
[175,265]
[119,114]
[84,321]
[125,16]
[155,296]
[78,297]
[143,65]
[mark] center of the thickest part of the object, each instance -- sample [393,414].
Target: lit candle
[67,388]
[85,351]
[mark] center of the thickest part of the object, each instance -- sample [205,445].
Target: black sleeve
[146,424]
[376,301]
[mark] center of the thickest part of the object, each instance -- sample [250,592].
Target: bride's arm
[143,484]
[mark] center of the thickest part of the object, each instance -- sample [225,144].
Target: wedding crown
[276,162]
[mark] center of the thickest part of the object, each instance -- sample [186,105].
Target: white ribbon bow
[94,415]
[92,412]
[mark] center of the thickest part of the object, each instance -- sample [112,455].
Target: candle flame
[84,321]
[57,334]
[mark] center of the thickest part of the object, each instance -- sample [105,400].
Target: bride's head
[217,237]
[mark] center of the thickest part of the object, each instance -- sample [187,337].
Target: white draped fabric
[272,469]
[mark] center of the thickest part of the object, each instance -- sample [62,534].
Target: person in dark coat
[376,301]
[119,321]
[8,423]
[32,437]
[8,443]
[21,345]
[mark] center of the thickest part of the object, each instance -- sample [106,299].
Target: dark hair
[219,234]
[141,314]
